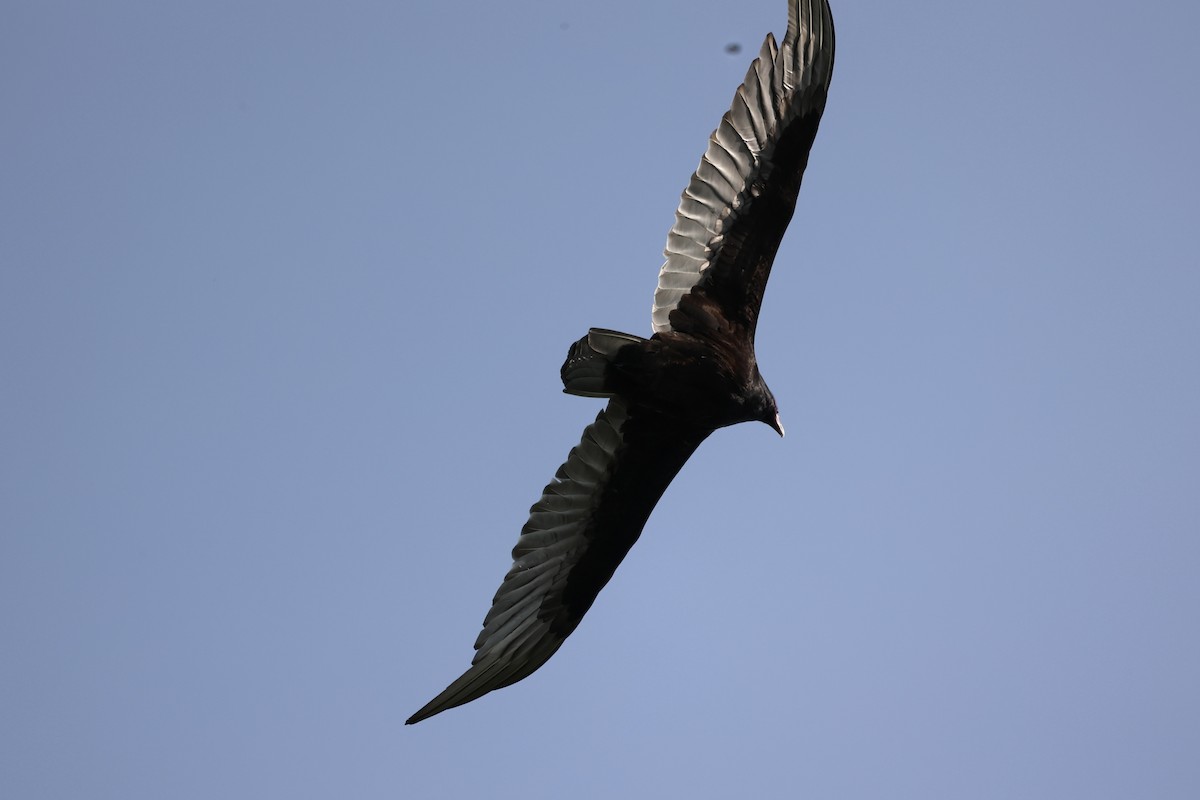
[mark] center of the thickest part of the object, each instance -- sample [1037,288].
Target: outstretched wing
[589,516]
[734,211]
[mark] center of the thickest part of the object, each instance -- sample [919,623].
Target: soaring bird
[666,394]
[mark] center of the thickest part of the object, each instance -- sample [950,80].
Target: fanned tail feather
[584,373]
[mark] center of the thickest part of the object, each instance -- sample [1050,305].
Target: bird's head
[764,404]
[776,423]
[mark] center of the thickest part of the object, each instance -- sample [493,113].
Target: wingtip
[423,713]
[431,709]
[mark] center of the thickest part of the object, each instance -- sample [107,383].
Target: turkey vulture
[666,394]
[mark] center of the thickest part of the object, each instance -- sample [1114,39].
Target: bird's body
[666,394]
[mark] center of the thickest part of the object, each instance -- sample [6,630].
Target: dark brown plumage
[666,394]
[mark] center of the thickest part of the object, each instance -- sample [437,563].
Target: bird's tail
[585,371]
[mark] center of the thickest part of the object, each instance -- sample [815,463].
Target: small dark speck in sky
[733,48]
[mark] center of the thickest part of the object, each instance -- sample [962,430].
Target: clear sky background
[284,291]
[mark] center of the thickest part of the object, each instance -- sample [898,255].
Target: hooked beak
[777,425]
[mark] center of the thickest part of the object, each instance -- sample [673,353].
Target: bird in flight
[666,394]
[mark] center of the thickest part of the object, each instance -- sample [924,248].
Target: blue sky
[284,292]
